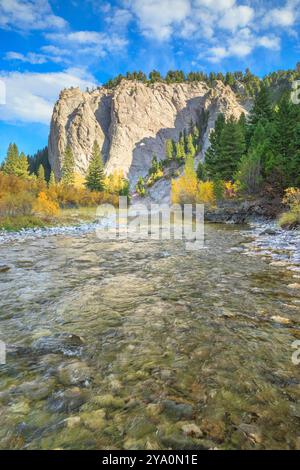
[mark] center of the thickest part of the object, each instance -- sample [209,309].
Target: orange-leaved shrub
[25,197]
[187,189]
[43,206]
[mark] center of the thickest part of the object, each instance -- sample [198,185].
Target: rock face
[133,121]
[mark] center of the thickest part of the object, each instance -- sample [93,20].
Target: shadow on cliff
[103,116]
[147,147]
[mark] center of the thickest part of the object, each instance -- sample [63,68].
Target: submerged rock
[140,427]
[177,410]
[4,268]
[74,373]
[174,439]
[281,320]
[36,390]
[94,420]
[67,401]
[108,401]
[252,431]
[65,343]
[191,429]
[73,421]
[22,407]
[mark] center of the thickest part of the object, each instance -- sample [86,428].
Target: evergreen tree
[201,172]
[52,181]
[40,158]
[155,76]
[295,161]
[22,166]
[180,152]
[68,174]
[41,173]
[196,139]
[261,111]
[15,163]
[213,153]
[140,187]
[169,149]
[283,143]
[11,162]
[249,172]
[191,151]
[95,174]
[232,148]
[155,166]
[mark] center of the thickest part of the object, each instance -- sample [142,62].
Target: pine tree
[41,173]
[213,153]
[22,166]
[201,172]
[68,176]
[169,149]
[95,174]
[191,151]
[189,166]
[249,172]
[180,153]
[295,162]
[283,143]
[11,162]
[140,187]
[52,180]
[232,148]
[261,111]
[196,139]
[15,163]
[262,108]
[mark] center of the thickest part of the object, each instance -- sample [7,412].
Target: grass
[14,224]
[71,216]
[290,219]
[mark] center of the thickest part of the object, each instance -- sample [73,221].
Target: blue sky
[47,45]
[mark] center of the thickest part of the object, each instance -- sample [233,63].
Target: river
[144,345]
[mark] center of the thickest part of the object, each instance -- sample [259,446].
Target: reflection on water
[134,345]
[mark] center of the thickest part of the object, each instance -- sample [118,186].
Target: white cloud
[269,42]
[31,57]
[30,96]
[78,37]
[216,5]
[280,17]
[89,43]
[118,19]
[223,28]
[217,53]
[228,27]
[242,45]
[236,17]
[27,15]
[157,18]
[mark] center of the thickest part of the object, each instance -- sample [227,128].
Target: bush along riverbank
[28,200]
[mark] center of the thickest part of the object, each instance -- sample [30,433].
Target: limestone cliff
[133,121]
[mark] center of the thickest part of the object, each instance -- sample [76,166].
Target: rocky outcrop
[133,122]
[238,211]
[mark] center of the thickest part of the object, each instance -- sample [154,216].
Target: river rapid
[144,345]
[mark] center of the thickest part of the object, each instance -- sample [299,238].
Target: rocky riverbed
[142,344]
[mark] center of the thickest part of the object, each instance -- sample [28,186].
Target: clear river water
[144,345]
